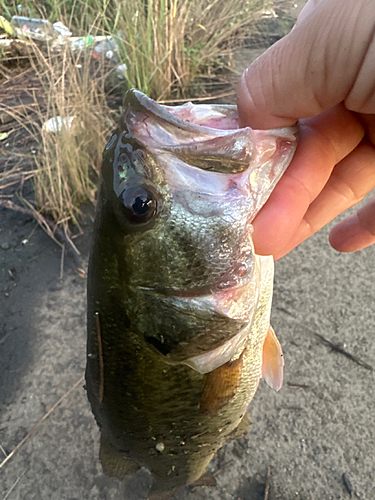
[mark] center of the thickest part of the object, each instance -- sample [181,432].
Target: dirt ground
[313,440]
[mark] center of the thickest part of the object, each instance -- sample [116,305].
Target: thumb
[311,69]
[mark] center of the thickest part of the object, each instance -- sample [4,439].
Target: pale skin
[322,74]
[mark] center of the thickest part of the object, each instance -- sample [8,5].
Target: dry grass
[68,160]
[68,167]
[167,46]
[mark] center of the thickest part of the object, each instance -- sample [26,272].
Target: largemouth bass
[178,302]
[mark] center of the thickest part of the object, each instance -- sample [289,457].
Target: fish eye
[138,204]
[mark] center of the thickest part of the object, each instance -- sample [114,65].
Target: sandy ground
[314,439]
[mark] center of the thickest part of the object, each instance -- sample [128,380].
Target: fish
[179,303]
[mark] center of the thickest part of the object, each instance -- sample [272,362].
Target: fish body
[178,302]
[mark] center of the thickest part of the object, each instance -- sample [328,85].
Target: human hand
[321,73]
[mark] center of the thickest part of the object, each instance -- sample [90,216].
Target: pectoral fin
[114,463]
[273,361]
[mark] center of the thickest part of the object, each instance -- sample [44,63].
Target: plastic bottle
[108,47]
[38,29]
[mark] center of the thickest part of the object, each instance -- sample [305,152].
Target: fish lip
[137,101]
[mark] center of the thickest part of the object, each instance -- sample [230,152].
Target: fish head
[181,186]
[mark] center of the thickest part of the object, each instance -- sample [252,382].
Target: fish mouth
[203,152]
[206,136]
